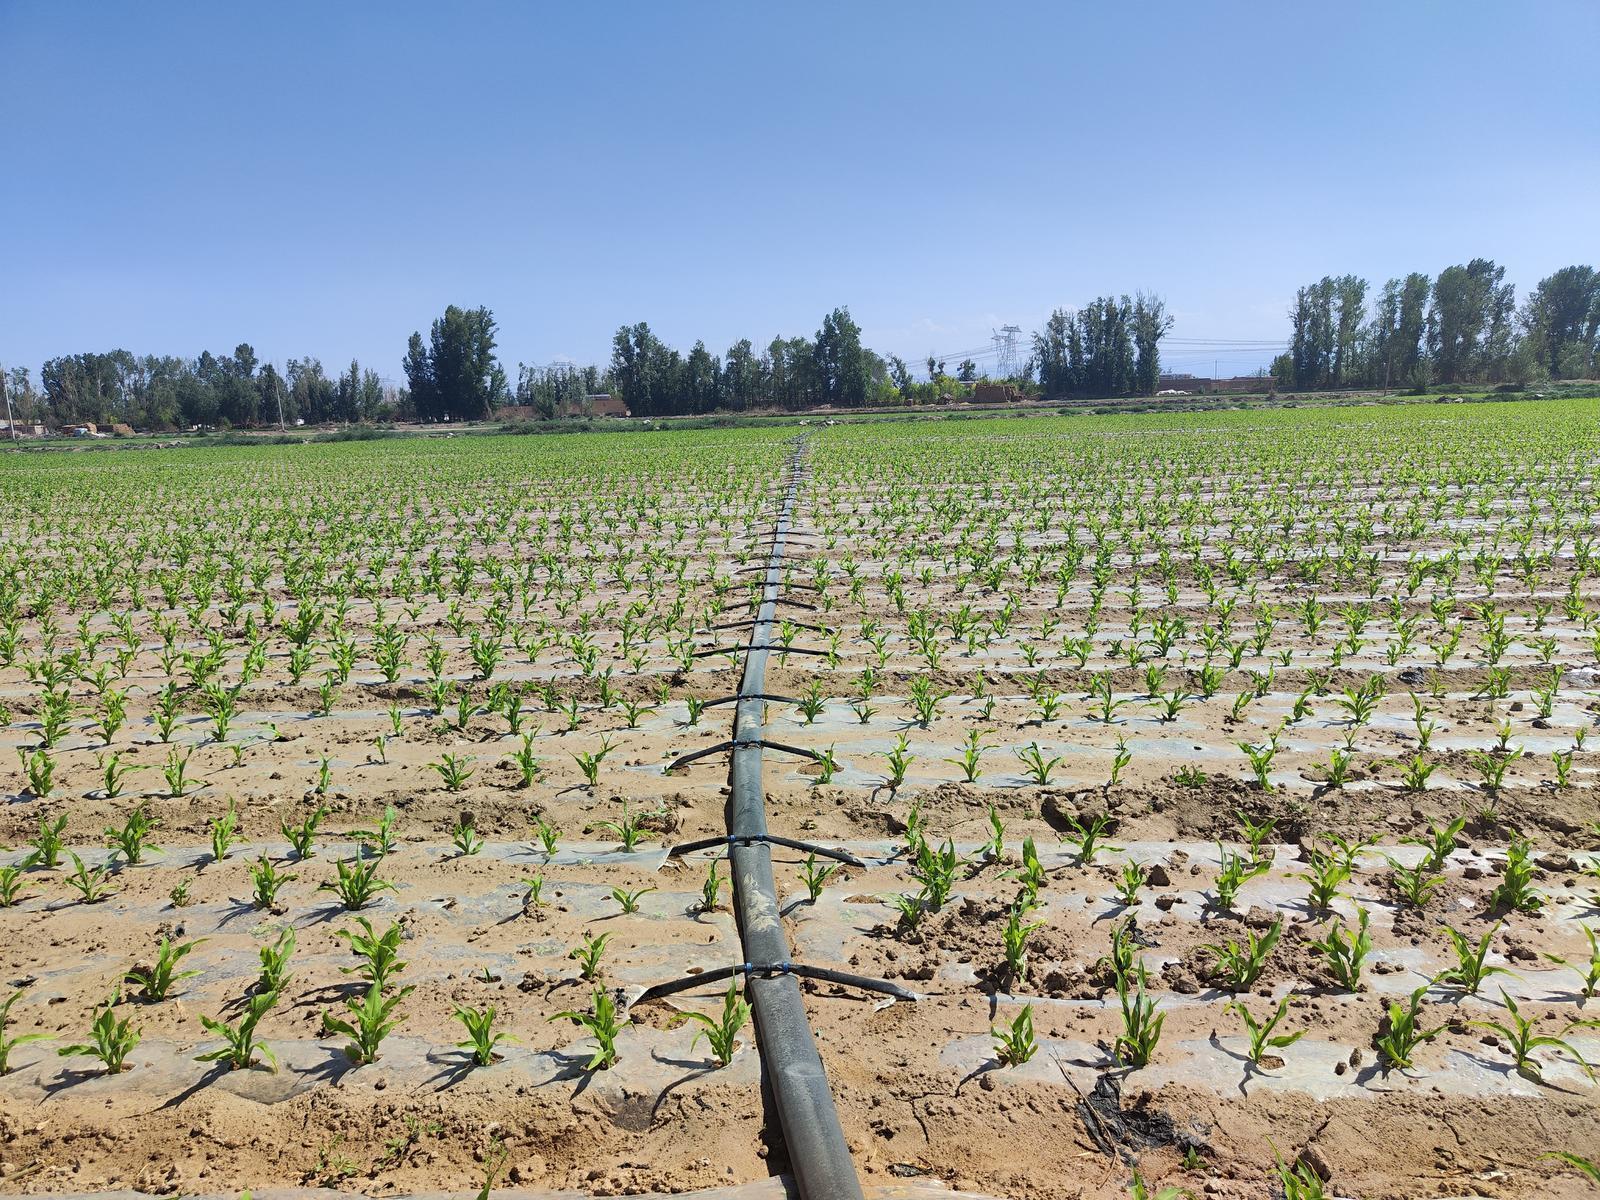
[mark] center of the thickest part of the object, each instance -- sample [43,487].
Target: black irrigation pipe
[776,970]
[798,1085]
[771,839]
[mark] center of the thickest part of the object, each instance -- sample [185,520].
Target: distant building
[603,404]
[994,393]
[21,429]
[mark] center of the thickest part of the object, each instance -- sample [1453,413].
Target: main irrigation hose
[818,1154]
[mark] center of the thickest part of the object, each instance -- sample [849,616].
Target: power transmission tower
[1005,348]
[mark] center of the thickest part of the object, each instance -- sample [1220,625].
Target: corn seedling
[91,886]
[1036,766]
[1400,1034]
[711,888]
[1261,1036]
[1439,843]
[379,953]
[1514,892]
[156,979]
[815,875]
[481,1039]
[629,831]
[357,884]
[1233,872]
[1470,970]
[1518,1032]
[899,763]
[8,1044]
[240,1047]
[110,1040]
[47,844]
[1588,970]
[464,835]
[629,900]
[1241,965]
[1085,838]
[602,1024]
[1415,885]
[721,1032]
[970,761]
[11,885]
[302,837]
[1141,1022]
[1014,940]
[372,1019]
[1346,950]
[454,770]
[588,954]
[1014,1044]
[274,975]
[384,838]
[224,832]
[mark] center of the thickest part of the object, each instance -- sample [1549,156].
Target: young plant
[133,839]
[721,1032]
[629,831]
[1514,892]
[1519,1034]
[1346,950]
[224,832]
[464,835]
[1233,872]
[303,837]
[156,979]
[1588,971]
[372,1020]
[379,953]
[1470,970]
[629,900]
[1036,766]
[588,954]
[603,1025]
[454,770]
[111,1040]
[711,888]
[384,838]
[91,886]
[971,758]
[1014,1044]
[1141,1021]
[1439,844]
[1400,1033]
[47,843]
[481,1038]
[239,1045]
[358,883]
[1327,872]
[1085,838]
[815,876]
[275,962]
[1129,883]
[8,1044]
[1262,1038]
[1241,965]
[1014,940]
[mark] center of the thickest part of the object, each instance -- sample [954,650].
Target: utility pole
[11,423]
[277,391]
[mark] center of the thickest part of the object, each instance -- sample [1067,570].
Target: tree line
[166,392]
[798,372]
[1463,326]
[1110,347]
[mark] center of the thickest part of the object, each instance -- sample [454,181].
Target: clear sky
[323,178]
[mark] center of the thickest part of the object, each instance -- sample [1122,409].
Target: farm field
[1150,731]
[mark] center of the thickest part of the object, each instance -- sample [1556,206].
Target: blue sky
[321,179]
